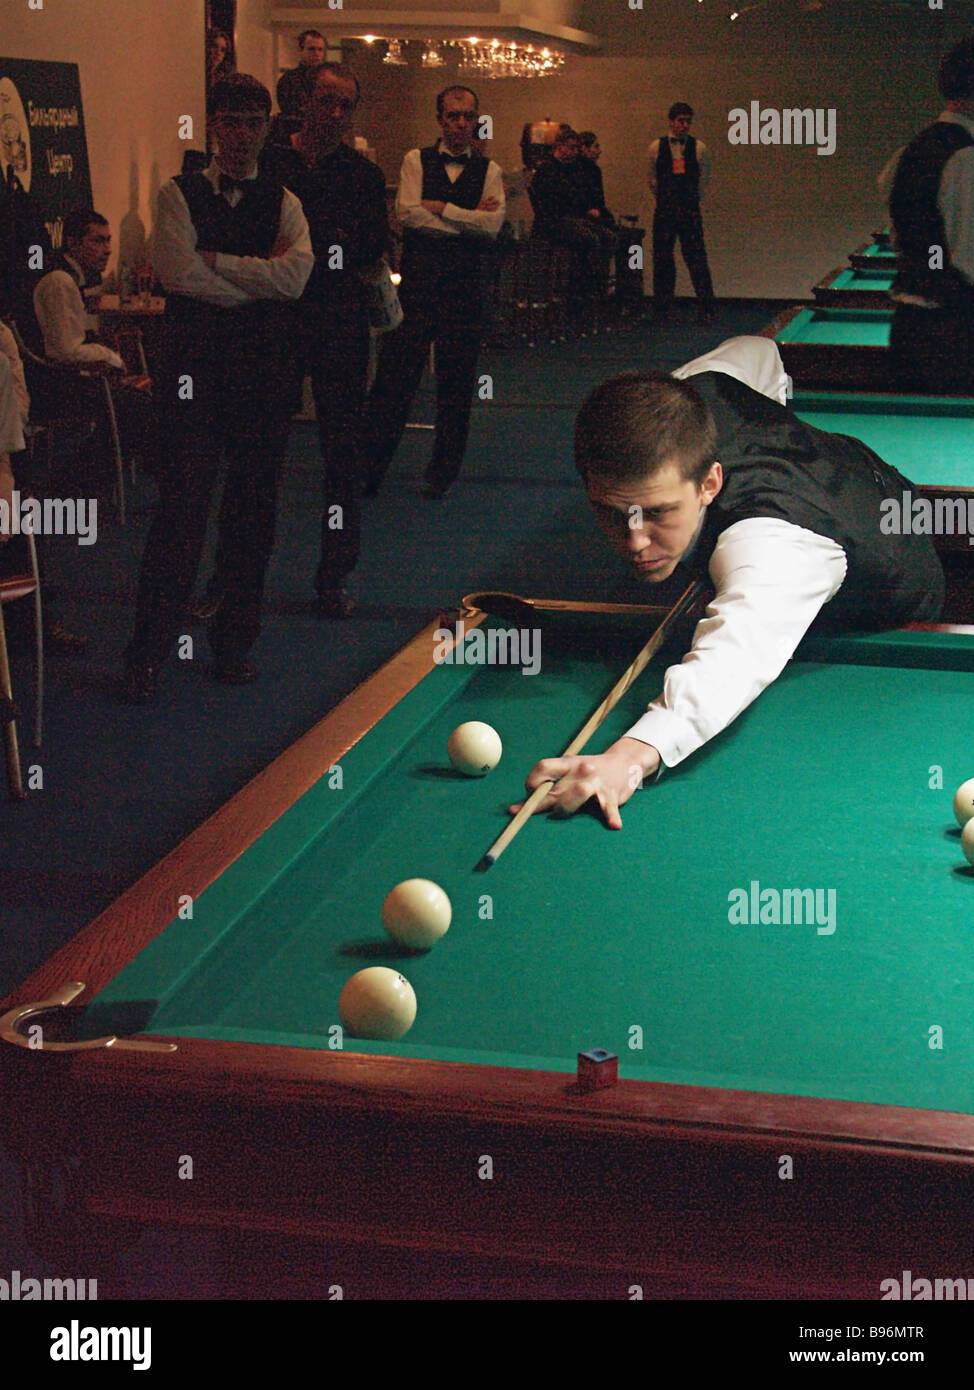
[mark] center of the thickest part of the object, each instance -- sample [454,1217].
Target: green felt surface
[878,251]
[580,937]
[855,280]
[929,439]
[839,327]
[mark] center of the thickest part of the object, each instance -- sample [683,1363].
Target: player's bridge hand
[607,780]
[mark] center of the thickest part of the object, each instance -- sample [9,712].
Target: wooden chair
[15,587]
[53,372]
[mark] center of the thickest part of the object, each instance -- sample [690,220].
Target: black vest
[777,466]
[917,221]
[249,229]
[446,271]
[677,190]
[254,340]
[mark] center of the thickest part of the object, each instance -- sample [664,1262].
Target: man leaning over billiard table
[720,477]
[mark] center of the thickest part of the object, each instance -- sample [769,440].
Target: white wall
[777,217]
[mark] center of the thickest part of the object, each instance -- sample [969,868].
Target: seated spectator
[68,330]
[14,557]
[590,175]
[564,213]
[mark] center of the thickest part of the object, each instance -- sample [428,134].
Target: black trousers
[932,350]
[687,224]
[337,356]
[331,347]
[240,409]
[402,356]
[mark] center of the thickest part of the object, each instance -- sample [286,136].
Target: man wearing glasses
[233,251]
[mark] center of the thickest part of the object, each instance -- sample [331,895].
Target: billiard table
[874,257]
[770,947]
[930,439]
[844,288]
[834,349]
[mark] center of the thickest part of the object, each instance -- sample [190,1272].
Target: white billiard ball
[416,913]
[474,748]
[967,841]
[377,1003]
[964,801]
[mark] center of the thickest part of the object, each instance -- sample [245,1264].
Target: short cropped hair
[587,138]
[635,424]
[238,91]
[957,72]
[565,133]
[680,108]
[306,34]
[340,70]
[78,221]
[455,88]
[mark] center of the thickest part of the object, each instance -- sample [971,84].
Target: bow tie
[678,139]
[449,158]
[227,184]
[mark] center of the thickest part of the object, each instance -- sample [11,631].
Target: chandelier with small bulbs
[490,58]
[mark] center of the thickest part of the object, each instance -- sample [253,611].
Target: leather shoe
[235,670]
[139,685]
[334,603]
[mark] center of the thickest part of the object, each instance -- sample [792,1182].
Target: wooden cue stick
[15,782]
[632,673]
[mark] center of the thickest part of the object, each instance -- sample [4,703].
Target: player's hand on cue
[607,779]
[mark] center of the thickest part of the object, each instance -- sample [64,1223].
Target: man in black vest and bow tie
[451,206]
[710,470]
[932,211]
[233,251]
[679,169]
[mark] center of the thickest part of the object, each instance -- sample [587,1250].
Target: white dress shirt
[771,579]
[235,280]
[454,221]
[64,320]
[703,160]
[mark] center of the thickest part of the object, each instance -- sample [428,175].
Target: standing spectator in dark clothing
[932,212]
[295,86]
[679,168]
[344,200]
[451,206]
[233,252]
[561,195]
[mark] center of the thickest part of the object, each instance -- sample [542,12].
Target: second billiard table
[827,349]
[929,439]
[843,288]
[874,258]
[786,1121]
